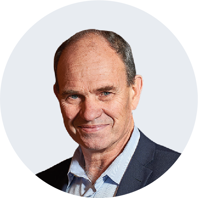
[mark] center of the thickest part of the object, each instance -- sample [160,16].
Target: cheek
[118,109]
[69,112]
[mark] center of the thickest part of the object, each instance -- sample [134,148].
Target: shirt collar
[117,168]
[77,166]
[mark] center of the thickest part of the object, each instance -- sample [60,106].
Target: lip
[92,128]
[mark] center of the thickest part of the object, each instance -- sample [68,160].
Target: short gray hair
[116,42]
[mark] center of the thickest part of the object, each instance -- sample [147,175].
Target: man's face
[95,101]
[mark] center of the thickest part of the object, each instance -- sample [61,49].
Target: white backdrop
[18,22]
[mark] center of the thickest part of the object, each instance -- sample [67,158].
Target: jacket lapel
[137,173]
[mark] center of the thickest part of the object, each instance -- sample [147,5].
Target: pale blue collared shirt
[106,185]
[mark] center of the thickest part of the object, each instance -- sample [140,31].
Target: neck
[96,162]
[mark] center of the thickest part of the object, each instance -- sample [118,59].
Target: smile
[92,128]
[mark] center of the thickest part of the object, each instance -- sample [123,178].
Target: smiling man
[97,89]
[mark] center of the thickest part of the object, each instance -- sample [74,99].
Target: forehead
[90,60]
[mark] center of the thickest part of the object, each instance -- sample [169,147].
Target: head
[115,41]
[97,88]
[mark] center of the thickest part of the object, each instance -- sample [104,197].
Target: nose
[90,109]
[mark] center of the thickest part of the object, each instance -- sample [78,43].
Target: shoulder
[56,174]
[161,151]
[161,158]
[155,150]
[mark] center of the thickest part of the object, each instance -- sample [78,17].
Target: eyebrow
[105,88]
[67,92]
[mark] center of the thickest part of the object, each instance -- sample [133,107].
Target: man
[97,88]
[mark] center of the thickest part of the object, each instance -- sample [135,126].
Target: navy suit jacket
[148,163]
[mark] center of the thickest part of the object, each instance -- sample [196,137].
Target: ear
[56,91]
[136,91]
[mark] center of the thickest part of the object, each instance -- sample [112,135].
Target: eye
[106,93]
[73,97]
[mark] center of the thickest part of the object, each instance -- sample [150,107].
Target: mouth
[92,128]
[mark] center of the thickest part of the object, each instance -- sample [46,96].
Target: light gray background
[30,111]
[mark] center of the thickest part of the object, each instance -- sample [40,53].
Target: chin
[95,148]
[97,145]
